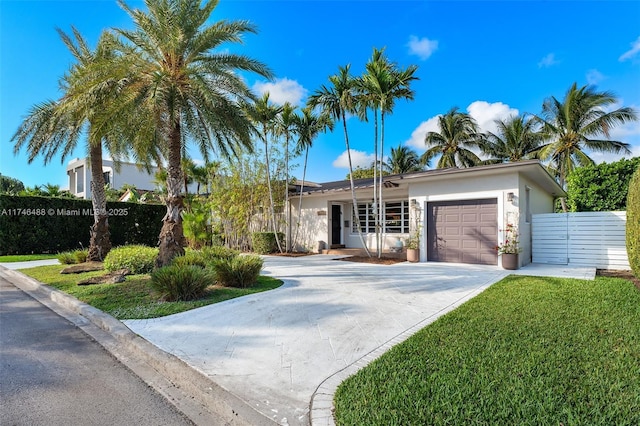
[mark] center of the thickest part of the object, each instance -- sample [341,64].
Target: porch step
[336,246]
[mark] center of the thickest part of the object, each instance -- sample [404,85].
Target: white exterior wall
[453,188]
[540,202]
[314,222]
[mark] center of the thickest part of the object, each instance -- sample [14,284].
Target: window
[106,175]
[79,179]
[396,217]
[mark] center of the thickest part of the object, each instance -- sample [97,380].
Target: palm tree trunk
[381,211]
[171,238]
[353,189]
[304,173]
[99,242]
[375,171]
[272,204]
[287,243]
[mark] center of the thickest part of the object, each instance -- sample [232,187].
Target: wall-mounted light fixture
[510,196]
[414,202]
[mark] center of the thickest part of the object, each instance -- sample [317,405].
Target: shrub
[600,187]
[241,271]
[219,252]
[265,242]
[138,259]
[81,255]
[191,258]
[66,258]
[178,282]
[72,257]
[633,223]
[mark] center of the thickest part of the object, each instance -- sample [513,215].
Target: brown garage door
[463,231]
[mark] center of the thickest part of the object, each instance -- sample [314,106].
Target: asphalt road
[52,373]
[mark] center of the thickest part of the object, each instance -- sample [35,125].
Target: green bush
[138,259]
[601,187]
[265,242]
[183,283]
[81,255]
[633,223]
[73,257]
[191,258]
[241,271]
[219,252]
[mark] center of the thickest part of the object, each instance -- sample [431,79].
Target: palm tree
[189,89]
[403,160]
[308,127]
[337,101]
[55,127]
[516,139]
[379,88]
[264,114]
[574,123]
[285,126]
[457,136]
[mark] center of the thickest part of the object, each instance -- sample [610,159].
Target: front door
[336,224]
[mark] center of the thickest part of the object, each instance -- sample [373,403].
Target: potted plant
[413,246]
[510,248]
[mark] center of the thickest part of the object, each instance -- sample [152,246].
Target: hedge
[52,225]
[265,242]
[633,223]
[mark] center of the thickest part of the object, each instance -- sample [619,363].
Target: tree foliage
[601,187]
[9,185]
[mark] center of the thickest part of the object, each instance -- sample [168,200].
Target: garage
[463,231]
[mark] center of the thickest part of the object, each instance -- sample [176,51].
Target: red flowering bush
[511,243]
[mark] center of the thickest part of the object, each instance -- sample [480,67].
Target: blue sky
[491,59]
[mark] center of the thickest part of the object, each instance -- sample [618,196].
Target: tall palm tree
[382,84]
[190,90]
[403,160]
[55,127]
[516,140]
[458,135]
[265,114]
[337,101]
[285,126]
[308,126]
[577,122]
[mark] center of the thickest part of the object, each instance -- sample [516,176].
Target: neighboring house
[79,174]
[460,214]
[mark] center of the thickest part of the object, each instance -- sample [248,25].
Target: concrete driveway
[276,349]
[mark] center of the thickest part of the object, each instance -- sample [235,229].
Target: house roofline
[532,166]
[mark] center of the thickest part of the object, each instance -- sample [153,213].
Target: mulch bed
[373,259]
[626,275]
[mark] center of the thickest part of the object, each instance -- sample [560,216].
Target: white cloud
[418,135]
[282,90]
[485,113]
[629,54]
[548,61]
[594,76]
[422,47]
[358,159]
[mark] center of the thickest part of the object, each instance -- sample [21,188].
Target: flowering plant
[511,243]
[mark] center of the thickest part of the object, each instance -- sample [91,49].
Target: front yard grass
[134,298]
[26,257]
[527,351]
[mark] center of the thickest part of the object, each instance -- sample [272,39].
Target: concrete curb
[222,407]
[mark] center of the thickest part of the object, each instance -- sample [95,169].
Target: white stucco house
[460,214]
[79,173]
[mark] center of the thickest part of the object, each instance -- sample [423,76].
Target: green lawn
[134,298]
[26,257]
[527,351]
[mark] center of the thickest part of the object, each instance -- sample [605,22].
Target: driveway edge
[321,405]
[210,403]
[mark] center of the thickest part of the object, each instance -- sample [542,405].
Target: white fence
[581,239]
